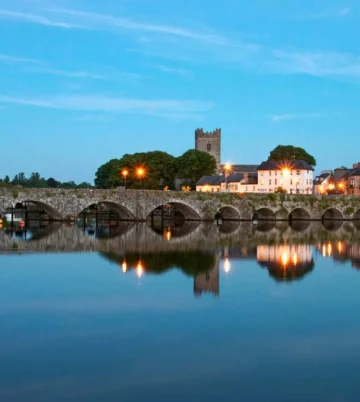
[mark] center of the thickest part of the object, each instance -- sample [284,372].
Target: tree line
[159,169]
[36,181]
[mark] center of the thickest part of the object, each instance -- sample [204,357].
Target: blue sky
[83,81]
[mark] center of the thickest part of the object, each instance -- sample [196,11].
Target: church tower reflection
[209,281]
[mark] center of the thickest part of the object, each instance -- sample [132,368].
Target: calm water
[197,312]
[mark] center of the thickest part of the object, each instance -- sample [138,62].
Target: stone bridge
[137,205]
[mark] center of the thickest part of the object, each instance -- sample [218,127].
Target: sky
[83,81]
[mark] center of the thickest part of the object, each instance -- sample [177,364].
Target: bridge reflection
[204,251]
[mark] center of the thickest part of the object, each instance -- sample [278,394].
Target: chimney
[356,165]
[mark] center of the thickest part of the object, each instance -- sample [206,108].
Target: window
[208,146]
[291,172]
[254,187]
[291,182]
[352,183]
[212,189]
[275,182]
[298,172]
[270,182]
[270,173]
[236,187]
[246,188]
[218,190]
[262,182]
[275,172]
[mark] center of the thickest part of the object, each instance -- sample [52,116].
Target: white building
[295,177]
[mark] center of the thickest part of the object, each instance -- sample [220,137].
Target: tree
[7,180]
[193,165]
[289,152]
[84,185]
[52,183]
[280,190]
[159,171]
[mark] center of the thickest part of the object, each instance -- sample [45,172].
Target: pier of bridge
[138,205]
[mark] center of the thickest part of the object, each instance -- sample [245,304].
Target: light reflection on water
[187,312]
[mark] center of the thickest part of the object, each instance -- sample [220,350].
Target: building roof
[210,181]
[354,172]
[217,180]
[244,168]
[280,165]
[320,179]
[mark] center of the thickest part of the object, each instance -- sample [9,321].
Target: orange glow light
[139,269]
[124,266]
[125,173]
[295,259]
[341,185]
[340,247]
[286,172]
[284,258]
[331,187]
[329,249]
[227,265]
[140,172]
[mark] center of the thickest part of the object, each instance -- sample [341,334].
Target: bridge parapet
[137,205]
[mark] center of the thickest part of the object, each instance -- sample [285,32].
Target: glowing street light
[227,171]
[140,173]
[286,172]
[125,174]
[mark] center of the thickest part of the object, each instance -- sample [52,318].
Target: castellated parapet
[210,142]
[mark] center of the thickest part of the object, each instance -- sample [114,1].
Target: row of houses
[292,177]
[341,180]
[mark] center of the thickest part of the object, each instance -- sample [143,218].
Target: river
[192,312]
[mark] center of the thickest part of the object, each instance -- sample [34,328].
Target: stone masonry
[136,205]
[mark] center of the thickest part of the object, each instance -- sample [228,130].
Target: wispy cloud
[321,64]
[14,59]
[171,107]
[330,13]
[37,19]
[280,117]
[171,70]
[70,74]
[103,21]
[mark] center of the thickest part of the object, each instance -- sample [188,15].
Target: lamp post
[125,174]
[140,172]
[227,170]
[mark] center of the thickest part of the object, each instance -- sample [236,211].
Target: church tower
[210,142]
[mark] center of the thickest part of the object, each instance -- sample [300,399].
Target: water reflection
[201,250]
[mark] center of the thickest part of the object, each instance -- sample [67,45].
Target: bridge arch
[183,209]
[299,214]
[123,212]
[265,214]
[228,213]
[332,214]
[356,216]
[50,211]
[282,214]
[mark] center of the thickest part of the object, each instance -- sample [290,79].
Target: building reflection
[286,262]
[340,252]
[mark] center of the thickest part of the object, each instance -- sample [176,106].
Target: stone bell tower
[210,142]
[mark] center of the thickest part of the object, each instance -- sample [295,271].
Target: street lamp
[125,174]
[227,171]
[140,172]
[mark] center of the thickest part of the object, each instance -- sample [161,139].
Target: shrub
[15,194]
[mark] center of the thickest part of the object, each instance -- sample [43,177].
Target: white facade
[293,181]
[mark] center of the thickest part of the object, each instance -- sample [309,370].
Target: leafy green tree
[289,152]
[7,180]
[52,183]
[159,171]
[194,164]
[36,181]
[68,185]
[84,185]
